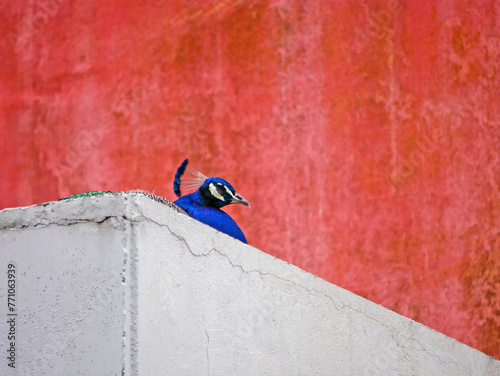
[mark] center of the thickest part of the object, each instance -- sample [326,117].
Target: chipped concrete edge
[72,211]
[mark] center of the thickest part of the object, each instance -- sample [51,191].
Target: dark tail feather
[178,174]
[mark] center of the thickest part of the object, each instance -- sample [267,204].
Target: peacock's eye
[220,189]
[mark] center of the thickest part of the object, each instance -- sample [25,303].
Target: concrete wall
[121,283]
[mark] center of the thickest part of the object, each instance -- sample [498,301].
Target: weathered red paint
[364,134]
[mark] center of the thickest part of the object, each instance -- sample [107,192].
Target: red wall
[364,134]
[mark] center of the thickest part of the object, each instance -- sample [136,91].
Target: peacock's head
[217,192]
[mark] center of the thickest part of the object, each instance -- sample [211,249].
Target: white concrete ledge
[121,284]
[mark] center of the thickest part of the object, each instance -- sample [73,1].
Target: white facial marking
[230,193]
[213,191]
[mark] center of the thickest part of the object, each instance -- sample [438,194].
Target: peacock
[206,202]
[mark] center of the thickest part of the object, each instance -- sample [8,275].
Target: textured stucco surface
[69,296]
[122,282]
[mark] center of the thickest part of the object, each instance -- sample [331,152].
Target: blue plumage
[204,204]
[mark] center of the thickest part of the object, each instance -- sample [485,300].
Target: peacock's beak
[239,200]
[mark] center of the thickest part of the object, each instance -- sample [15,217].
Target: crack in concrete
[298,286]
[372,319]
[206,349]
[62,222]
[337,307]
[435,354]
